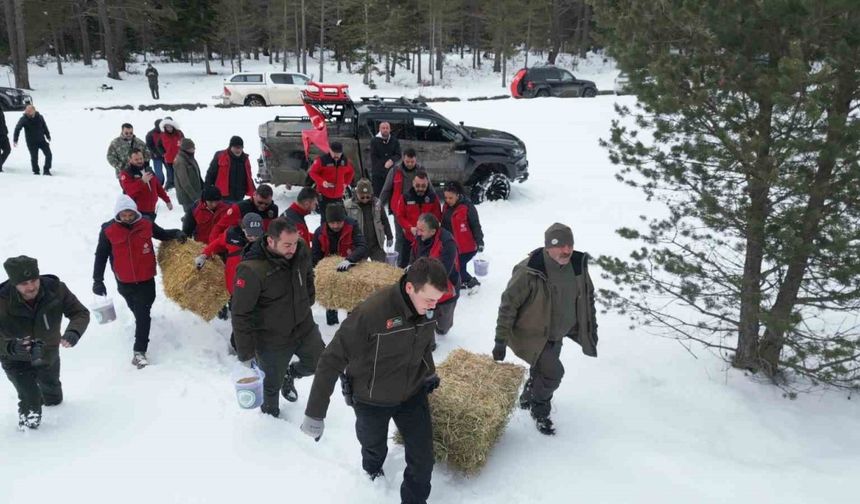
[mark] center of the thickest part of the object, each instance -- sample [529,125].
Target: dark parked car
[485,160]
[538,82]
[13,99]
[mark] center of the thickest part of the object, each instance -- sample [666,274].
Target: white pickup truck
[264,88]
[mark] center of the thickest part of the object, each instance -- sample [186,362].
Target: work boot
[30,420]
[36,172]
[288,389]
[544,425]
[331,317]
[379,473]
[139,360]
[275,411]
[526,396]
[224,312]
[47,172]
[472,286]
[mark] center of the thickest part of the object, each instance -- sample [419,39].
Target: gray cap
[252,224]
[558,235]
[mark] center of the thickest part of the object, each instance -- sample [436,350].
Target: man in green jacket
[383,353]
[549,296]
[189,184]
[121,147]
[272,297]
[32,307]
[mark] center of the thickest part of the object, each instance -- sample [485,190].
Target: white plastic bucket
[391,257]
[249,387]
[482,267]
[103,310]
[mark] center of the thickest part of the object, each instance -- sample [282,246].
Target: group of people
[36,134]
[382,353]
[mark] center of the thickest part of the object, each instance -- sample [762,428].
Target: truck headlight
[11,92]
[517,152]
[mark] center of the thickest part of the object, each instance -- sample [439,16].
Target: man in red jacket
[460,218]
[230,172]
[203,215]
[261,203]
[306,202]
[436,243]
[331,172]
[420,199]
[142,186]
[126,241]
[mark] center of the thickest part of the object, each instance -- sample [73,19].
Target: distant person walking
[37,135]
[5,148]
[152,76]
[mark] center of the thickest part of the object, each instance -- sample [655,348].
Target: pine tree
[747,132]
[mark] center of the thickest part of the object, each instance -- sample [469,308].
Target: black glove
[19,349]
[180,237]
[72,337]
[431,383]
[499,350]
[480,248]
[99,288]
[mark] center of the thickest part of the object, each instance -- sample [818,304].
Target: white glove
[199,261]
[248,363]
[313,427]
[344,265]
[389,242]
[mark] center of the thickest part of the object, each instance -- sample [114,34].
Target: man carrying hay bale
[306,202]
[437,243]
[549,296]
[338,235]
[261,203]
[366,210]
[127,241]
[203,214]
[383,353]
[419,199]
[272,320]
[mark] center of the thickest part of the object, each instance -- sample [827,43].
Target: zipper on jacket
[45,319]
[375,358]
[299,274]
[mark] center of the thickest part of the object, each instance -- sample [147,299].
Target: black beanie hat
[211,193]
[236,141]
[21,268]
[335,213]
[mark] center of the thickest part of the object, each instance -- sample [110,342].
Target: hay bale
[201,292]
[471,408]
[346,290]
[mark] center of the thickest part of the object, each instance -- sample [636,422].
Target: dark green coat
[19,320]
[525,310]
[271,296]
[383,346]
[189,185]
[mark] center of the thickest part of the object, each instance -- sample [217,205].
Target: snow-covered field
[644,422]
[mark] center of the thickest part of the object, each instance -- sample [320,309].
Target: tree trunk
[322,38]
[432,48]
[388,68]
[367,64]
[528,37]
[57,48]
[11,33]
[107,32]
[304,42]
[22,77]
[238,40]
[555,32]
[298,43]
[585,32]
[206,57]
[418,55]
[284,68]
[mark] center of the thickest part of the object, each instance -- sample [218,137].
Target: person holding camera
[32,307]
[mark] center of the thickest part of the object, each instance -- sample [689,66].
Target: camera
[37,352]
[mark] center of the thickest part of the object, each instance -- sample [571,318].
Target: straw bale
[347,289]
[471,408]
[201,292]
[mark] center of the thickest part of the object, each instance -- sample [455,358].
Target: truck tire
[493,187]
[255,101]
[543,93]
[589,92]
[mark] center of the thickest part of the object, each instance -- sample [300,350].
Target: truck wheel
[255,101]
[589,92]
[543,93]
[493,187]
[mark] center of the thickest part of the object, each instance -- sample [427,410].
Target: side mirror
[458,138]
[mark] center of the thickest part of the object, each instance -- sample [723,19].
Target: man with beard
[418,200]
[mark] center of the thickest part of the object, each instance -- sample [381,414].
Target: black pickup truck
[13,99]
[486,161]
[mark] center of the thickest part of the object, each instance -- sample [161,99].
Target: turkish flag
[319,134]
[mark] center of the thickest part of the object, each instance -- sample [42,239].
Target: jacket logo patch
[394,322]
[146,249]
[230,212]
[240,282]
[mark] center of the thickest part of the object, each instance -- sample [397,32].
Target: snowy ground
[645,422]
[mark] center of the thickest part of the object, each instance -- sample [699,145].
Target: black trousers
[545,377]
[377,180]
[412,419]
[306,343]
[34,155]
[5,149]
[36,385]
[402,245]
[139,297]
[154,91]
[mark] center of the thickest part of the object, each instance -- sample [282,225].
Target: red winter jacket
[411,206]
[444,248]
[231,243]
[296,215]
[326,170]
[144,195]
[222,179]
[233,217]
[202,220]
[344,243]
[170,144]
[462,222]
